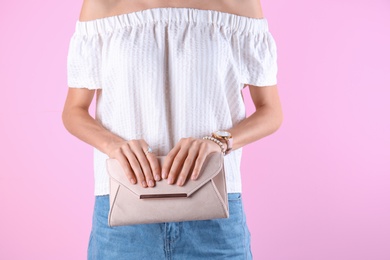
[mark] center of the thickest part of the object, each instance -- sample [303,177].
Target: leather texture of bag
[201,199]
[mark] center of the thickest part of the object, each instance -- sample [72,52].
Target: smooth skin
[142,168]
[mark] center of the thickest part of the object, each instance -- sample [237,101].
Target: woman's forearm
[80,124]
[264,121]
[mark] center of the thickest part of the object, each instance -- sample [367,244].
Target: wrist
[224,143]
[215,140]
[226,138]
[112,144]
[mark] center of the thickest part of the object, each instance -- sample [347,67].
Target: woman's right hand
[139,166]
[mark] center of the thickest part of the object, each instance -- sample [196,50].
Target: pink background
[318,188]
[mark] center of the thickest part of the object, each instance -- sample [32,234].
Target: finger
[127,168]
[202,155]
[176,165]
[154,165]
[153,162]
[131,157]
[187,165]
[167,163]
[139,149]
[178,161]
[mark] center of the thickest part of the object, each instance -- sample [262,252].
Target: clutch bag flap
[162,188]
[201,199]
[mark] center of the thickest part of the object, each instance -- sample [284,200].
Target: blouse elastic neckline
[234,22]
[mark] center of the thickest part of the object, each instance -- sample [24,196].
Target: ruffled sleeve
[84,61]
[258,59]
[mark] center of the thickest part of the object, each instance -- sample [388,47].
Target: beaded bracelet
[217,141]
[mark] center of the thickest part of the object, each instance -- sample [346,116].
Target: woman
[168,78]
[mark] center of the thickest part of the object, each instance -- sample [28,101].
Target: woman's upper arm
[93,9]
[266,96]
[84,58]
[78,98]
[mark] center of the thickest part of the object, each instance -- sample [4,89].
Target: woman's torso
[145,63]
[248,8]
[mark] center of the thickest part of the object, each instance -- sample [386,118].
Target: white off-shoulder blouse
[169,73]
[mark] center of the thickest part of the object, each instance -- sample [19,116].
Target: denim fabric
[206,239]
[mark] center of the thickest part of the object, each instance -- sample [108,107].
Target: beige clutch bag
[204,198]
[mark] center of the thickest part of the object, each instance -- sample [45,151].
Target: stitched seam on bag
[218,198]
[120,183]
[113,203]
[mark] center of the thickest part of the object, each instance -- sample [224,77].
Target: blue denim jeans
[206,239]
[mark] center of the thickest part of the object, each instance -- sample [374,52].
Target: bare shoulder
[249,8]
[94,9]
[255,7]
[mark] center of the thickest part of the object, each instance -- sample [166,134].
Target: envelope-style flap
[210,168]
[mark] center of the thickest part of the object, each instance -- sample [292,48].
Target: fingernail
[132,181]
[157,177]
[193,177]
[180,182]
[144,184]
[170,181]
[151,183]
[164,175]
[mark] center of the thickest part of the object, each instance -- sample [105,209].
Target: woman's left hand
[187,152]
